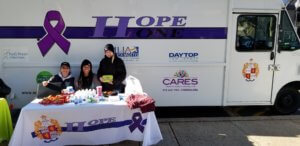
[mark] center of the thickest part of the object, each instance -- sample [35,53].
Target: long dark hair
[85,82]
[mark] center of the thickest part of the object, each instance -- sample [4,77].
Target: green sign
[43,76]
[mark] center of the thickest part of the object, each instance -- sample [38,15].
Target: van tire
[287,101]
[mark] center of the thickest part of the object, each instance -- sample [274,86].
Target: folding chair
[44,91]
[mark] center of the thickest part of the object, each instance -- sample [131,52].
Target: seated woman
[63,78]
[87,79]
[112,71]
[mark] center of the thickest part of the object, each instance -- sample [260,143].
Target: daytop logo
[181,81]
[183,56]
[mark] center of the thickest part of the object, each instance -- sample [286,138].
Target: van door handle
[272,55]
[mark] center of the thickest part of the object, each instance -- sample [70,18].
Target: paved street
[231,131]
[232,126]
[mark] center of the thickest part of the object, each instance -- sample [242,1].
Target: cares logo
[181,77]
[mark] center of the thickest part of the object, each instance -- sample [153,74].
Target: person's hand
[101,79]
[63,91]
[111,82]
[45,83]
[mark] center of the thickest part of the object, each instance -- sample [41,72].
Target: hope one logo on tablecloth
[50,130]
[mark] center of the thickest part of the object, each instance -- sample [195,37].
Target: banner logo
[250,71]
[128,53]
[181,81]
[47,130]
[144,27]
[183,56]
[54,34]
[50,130]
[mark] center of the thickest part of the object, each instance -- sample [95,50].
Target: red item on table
[57,99]
[142,101]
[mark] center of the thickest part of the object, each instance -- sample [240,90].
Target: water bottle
[76,100]
[80,100]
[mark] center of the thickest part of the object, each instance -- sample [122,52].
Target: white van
[185,52]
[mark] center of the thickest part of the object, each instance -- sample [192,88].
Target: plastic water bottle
[80,100]
[76,100]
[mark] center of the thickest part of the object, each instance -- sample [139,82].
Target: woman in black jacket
[63,79]
[87,79]
[111,65]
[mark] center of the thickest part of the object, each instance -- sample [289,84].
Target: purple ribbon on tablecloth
[54,34]
[137,122]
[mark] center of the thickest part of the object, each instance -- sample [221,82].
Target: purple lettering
[144,34]
[166,82]
[180,81]
[179,21]
[176,33]
[101,24]
[113,119]
[162,19]
[71,125]
[150,22]
[93,122]
[123,23]
[161,32]
[173,81]
[187,81]
[194,81]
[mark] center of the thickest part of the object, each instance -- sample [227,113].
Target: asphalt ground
[251,125]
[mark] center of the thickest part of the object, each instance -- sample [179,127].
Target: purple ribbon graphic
[136,119]
[54,34]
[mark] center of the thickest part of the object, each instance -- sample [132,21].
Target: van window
[288,40]
[255,33]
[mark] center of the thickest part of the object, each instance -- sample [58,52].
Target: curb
[222,119]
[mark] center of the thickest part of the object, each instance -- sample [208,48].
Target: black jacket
[4,89]
[62,84]
[115,68]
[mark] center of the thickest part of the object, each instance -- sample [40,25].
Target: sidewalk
[231,131]
[227,131]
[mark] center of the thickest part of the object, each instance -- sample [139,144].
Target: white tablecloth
[85,124]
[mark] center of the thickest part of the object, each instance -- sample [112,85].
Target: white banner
[85,124]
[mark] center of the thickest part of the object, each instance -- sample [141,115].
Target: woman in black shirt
[87,79]
[112,65]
